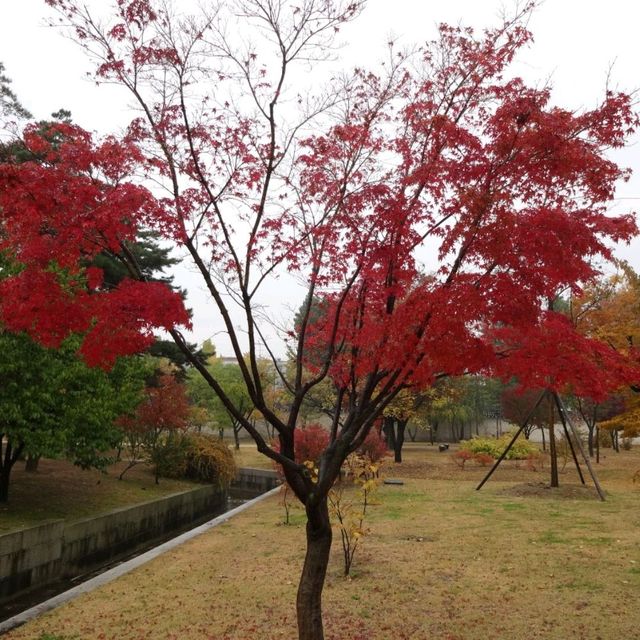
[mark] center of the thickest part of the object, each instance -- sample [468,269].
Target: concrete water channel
[250,487]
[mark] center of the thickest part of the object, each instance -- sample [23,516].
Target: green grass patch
[598,542]
[390,513]
[587,586]
[552,537]
[514,506]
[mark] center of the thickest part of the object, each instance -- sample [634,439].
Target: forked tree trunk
[394,430]
[309,601]
[5,474]
[8,457]
[31,464]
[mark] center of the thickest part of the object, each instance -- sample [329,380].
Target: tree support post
[571,447]
[565,415]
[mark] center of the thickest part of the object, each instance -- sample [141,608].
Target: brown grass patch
[543,490]
[442,562]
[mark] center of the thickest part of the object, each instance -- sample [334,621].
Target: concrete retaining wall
[30,557]
[252,482]
[40,555]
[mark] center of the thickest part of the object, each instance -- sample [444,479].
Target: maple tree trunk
[8,458]
[591,430]
[236,436]
[553,454]
[552,448]
[4,484]
[309,600]
[598,445]
[399,439]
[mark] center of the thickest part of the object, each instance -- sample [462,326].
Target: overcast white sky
[576,41]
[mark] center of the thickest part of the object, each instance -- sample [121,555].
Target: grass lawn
[441,562]
[249,456]
[61,490]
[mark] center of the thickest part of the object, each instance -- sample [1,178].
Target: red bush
[374,447]
[461,456]
[310,442]
[483,459]
[535,461]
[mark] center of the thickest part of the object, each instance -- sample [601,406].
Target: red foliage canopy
[513,190]
[71,201]
[552,355]
[165,407]
[508,191]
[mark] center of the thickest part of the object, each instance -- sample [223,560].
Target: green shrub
[480,445]
[494,447]
[521,449]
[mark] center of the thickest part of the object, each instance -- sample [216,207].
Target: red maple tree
[162,413]
[440,153]
[165,406]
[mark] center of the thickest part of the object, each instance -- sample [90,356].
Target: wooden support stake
[570,443]
[564,412]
